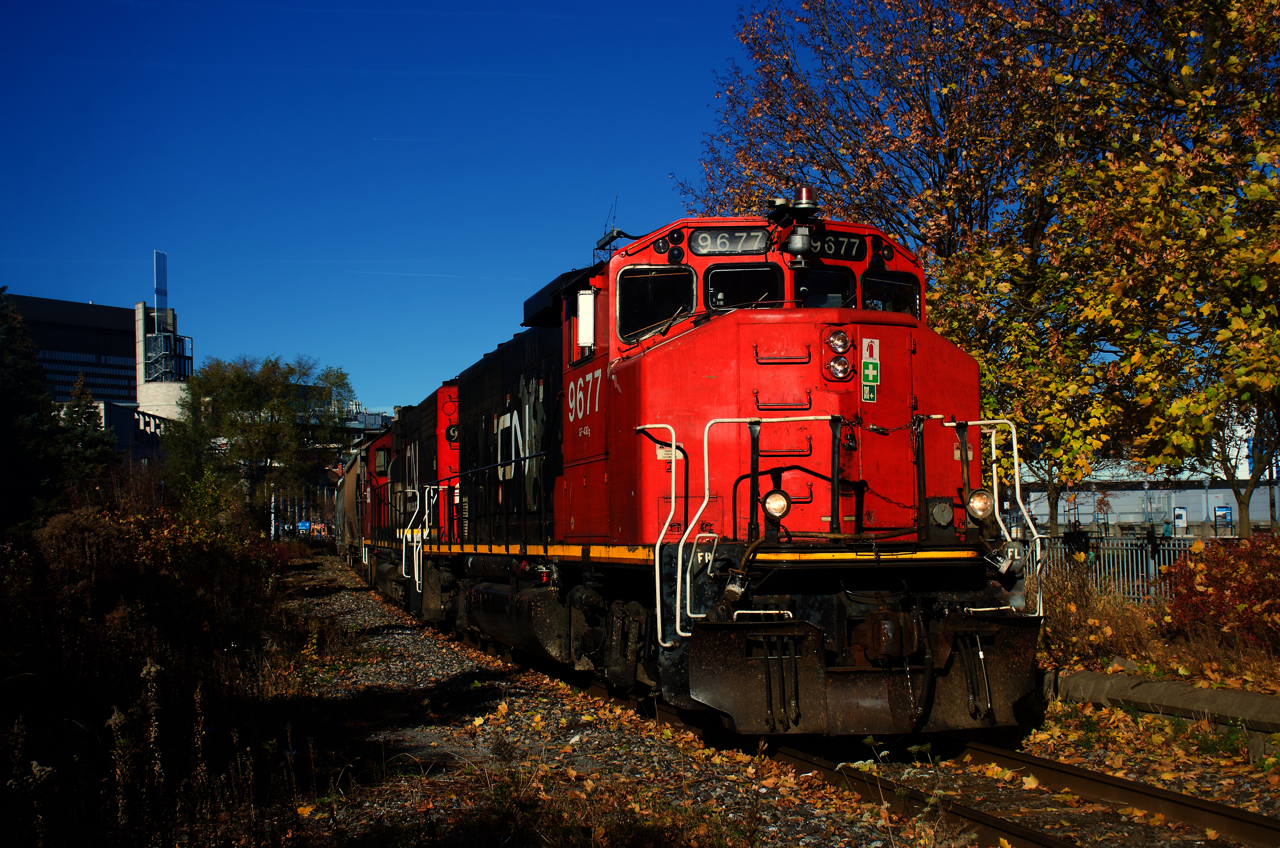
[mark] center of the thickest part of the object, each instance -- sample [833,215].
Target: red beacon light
[805,198]
[803,206]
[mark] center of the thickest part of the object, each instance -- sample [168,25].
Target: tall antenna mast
[611,217]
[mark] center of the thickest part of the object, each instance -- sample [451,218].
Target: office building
[74,339]
[127,356]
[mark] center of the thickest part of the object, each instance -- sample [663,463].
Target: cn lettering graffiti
[520,436]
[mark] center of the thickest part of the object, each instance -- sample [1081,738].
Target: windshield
[652,299]
[742,286]
[891,291]
[824,287]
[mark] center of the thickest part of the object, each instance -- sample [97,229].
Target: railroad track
[988,828]
[1249,828]
[1230,822]
[901,799]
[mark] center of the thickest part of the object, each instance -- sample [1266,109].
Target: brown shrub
[1090,625]
[118,620]
[1228,592]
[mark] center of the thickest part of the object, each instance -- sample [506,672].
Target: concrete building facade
[163,359]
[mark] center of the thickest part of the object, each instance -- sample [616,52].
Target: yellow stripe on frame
[830,556]
[643,554]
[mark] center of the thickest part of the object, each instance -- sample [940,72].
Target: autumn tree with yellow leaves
[1167,223]
[1092,187]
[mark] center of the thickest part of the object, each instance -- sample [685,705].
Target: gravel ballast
[435,742]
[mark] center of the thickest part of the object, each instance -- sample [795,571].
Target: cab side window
[577,305]
[891,291]
[652,299]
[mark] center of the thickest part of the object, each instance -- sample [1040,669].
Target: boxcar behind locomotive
[731,465]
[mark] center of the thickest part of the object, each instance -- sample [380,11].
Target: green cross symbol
[870,372]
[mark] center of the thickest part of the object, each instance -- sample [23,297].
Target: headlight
[838,341]
[777,504]
[839,367]
[981,503]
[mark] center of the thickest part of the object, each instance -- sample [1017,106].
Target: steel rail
[988,828]
[1231,822]
[1242,825]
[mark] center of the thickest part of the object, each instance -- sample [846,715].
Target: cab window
[652,299]
[891,291]
[824,287]
[744,286]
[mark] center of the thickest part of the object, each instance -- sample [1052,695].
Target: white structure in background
[1193,503]
[163,358]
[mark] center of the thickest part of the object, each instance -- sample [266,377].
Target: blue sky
[378,186]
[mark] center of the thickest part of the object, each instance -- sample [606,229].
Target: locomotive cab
[822,538]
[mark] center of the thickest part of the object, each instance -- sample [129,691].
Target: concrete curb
[1252,710]
[1257,713]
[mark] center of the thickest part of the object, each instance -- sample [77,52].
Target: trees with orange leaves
[1090,185]
[892,111]
[1165,238]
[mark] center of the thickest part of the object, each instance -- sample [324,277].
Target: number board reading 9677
[729,241]
[837,245]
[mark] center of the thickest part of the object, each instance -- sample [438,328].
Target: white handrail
[706,489]
[995,495]
[657,546]
[417,505]
[417,508]
[417,554]
[1036,536]
[404,548]
[411,457]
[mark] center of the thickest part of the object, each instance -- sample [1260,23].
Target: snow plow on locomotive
[731,465]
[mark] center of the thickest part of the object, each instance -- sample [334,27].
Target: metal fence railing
[1127,566]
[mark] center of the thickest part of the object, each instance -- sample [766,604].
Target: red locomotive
[729,464]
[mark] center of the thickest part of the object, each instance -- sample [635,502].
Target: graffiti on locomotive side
[584,395]
[521,433]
